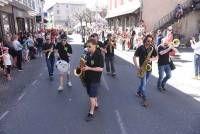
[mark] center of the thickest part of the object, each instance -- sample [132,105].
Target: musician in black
[109,55]
[100,45]
[64,51]
[142,53]
[48,49]
[164,50]
[93,71]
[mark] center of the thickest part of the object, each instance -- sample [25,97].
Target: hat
[63,37]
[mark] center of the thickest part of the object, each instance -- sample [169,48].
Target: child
[7,62]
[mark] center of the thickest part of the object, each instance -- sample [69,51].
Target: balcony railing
[171,16]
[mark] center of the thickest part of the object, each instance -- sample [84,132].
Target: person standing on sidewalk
[64,51]
[141,53]
[124,39]
[196,46]
[109,55]
[164,50]
[48,49]
[18,48]
[159,37]
[93,71]
[39,46]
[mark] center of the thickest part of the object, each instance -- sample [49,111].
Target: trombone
[175,42]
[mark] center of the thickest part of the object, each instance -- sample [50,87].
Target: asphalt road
[32,105]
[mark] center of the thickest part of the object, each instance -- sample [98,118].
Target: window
[67,6]
[58,11]
[6,25]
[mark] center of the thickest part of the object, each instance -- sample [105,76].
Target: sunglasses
[88,46]
[150,41]
[64,40]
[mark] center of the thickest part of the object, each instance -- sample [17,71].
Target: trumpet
[175,42]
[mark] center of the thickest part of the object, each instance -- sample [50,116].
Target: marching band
[96,53]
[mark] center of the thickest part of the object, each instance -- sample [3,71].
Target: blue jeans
[197,64]
[50,65]
[143,82]
[163,80]
[110,64]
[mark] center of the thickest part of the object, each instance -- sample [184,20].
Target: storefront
[24,22]
[6,21]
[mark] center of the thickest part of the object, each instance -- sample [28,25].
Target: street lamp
[51,17]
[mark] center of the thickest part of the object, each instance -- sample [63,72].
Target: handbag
[171,64]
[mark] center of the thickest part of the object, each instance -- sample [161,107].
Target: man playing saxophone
[93,71]
[142,53]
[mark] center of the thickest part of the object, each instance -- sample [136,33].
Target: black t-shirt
[110,49]
[47,47]
[95,60]
[100,45]
[39,42]
[163,59]
[142,53]
[63,51]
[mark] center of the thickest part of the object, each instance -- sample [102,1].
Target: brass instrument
[146,66]
[49,54]
[175,42]
[78,71]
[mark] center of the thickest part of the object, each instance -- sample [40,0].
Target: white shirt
[17,45]
[196,48]
[7,59]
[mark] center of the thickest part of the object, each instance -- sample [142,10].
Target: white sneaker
[69,84]
[60,89]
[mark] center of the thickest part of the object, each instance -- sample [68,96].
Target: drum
[62,66]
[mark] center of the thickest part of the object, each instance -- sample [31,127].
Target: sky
[89,3]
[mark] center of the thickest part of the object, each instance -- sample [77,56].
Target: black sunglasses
[88,46]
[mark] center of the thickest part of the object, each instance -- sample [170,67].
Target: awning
[127,8]
[4,2]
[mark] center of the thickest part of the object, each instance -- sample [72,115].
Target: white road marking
[4,115]
[105,83]
[34,82]
[21,96]
[40,74]
[120,122]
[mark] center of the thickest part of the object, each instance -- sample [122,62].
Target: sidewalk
[181,76]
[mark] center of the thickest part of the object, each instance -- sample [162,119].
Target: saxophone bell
[77,72]
[148,67]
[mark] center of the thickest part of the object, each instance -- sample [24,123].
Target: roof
[129,7]
[63,2]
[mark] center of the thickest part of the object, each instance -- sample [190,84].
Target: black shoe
[89,117]
[114,74]
[20,70]
[160,89]
[163,88]
[145,103]
[139,94]
[51,77]
[96,108]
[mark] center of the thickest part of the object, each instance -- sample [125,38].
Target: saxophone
[145,66]
[78,71]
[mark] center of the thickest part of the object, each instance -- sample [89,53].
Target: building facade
[127,13]
[123,14]
[62,14]
[18,15]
